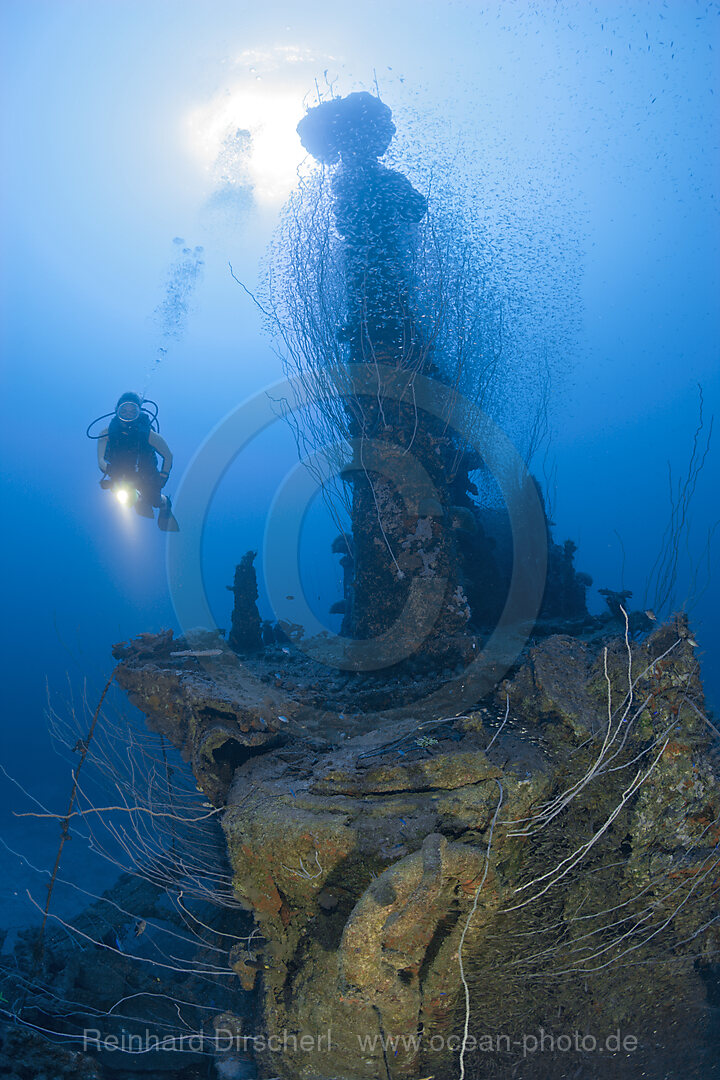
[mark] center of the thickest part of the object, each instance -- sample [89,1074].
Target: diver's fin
[165,519]
[168,523]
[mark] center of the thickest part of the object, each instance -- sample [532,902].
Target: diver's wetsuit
[128,451]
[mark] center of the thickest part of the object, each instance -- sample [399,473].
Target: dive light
[126,496]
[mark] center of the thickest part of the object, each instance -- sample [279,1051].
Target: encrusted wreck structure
[414,438]
[560,840]
[394,533]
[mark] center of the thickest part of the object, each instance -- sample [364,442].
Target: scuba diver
[127,451]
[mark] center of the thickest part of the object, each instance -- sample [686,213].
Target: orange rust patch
[686,872]
[675,749]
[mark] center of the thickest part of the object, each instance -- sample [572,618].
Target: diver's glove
[106,482]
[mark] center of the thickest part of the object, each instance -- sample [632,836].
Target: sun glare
[246,137]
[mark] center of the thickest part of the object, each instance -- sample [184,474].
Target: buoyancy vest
[127,447]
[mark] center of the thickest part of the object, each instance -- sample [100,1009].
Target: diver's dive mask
[128,411]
